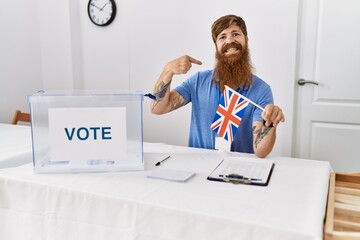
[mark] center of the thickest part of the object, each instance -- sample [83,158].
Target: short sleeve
[265,97]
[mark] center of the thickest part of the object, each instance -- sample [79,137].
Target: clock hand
[103,7]
[95,6]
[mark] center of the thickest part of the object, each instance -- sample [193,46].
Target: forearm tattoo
[176,101]
[260,134]
[161,90]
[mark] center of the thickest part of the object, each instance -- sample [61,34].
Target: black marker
[235,176]
[158,163]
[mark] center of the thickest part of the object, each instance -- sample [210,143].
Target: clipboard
[243,171]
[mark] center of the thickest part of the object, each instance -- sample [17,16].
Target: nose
[229,39]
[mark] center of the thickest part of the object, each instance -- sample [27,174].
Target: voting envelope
[84,131]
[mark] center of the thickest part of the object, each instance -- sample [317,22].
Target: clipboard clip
[237,179]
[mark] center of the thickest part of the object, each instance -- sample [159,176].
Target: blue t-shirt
[204,95]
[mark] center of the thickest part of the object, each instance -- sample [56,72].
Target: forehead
[230,29]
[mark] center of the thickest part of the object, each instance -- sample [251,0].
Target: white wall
[64,50]
[20,55]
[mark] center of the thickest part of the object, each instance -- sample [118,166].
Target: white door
[328,117]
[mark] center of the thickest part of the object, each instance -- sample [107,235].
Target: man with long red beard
[257,131]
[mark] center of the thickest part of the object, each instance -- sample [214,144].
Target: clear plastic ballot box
[83,131]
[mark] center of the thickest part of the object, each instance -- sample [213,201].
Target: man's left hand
[272,114]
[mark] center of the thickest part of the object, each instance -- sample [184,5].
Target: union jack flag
[229,113]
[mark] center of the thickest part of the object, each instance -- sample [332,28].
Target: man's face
[230,41]
[233,65]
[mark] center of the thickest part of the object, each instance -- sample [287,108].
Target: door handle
[302,82]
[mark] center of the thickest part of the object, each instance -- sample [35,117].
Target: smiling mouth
[231,51]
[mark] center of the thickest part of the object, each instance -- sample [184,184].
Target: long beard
[235,70]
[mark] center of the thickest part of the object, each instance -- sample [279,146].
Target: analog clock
[101,12]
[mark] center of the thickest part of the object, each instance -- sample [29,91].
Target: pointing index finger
[193,60]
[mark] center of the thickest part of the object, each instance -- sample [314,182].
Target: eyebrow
[233,31]
[236,31]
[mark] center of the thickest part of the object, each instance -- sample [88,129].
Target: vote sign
[87,133]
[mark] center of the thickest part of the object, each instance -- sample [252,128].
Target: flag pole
[256,105]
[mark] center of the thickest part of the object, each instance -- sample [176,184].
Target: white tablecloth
[15,145]
[129,205]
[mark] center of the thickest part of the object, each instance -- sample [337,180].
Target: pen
[239,177]
[158,163]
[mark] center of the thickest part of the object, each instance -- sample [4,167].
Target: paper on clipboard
[246,171]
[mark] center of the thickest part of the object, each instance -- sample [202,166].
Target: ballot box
[87,131]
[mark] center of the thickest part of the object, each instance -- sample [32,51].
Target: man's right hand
[181,65]
[168,100]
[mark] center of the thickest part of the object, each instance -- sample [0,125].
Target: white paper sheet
[171,174]
[253,171]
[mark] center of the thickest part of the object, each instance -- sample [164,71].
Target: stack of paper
[171,174]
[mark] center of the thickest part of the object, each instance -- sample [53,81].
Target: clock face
[101,12]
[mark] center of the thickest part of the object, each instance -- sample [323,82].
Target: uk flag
[229,113]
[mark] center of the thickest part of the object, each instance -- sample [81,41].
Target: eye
[221,37]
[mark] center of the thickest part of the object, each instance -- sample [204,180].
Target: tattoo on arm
[160,92]
[177,102]
[260,134]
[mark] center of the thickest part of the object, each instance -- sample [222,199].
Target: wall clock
[101,12]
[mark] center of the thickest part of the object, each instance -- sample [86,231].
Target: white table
[15,145]
[128,205]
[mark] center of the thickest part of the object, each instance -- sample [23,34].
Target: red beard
[235,70]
